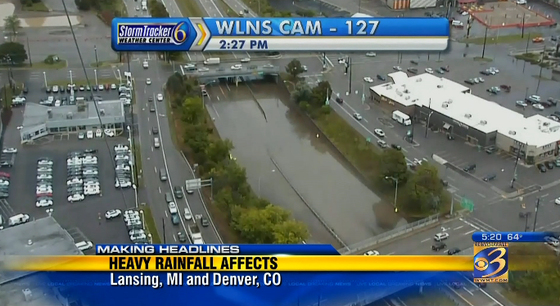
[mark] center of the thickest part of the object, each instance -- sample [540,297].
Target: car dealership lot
[85,217]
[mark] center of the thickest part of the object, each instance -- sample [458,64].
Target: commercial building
[450,107]
[39,120]
[40,237]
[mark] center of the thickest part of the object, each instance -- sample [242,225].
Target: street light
[95,74]
[120,76]
[45,79]
[96,58]
[259,181]
[396,180]
[71,79]
[130,147]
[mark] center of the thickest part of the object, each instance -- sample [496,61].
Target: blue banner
[296,288]
[332,27]
[511,236]
[222,249]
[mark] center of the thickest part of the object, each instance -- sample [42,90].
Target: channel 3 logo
[490,263]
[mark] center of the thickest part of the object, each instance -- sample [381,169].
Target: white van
[441,236]
[18,219]
[84,245]
[156,142]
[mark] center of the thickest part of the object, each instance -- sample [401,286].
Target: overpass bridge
[234,72]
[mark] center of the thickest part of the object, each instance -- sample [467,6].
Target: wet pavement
[286,162]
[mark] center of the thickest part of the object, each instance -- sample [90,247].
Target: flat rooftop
[36,114]
[453,100]
[40,237]
[12,293]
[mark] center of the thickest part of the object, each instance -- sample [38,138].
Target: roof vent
[407,98]
[419,80]
[468,116]
[415,100]
[406,91]
[102,112]
[69,115]
[483,122]
[440,86]
[444,105]
[512,133]
[546,123]
[29,242]
[27,295]
[449,101]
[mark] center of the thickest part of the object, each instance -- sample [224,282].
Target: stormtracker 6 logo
[152,33]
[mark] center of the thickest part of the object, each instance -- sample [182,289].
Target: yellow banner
[241,263]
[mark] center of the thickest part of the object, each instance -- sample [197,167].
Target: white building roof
[448,98]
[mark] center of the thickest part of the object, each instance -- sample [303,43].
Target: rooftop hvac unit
[512,133]
[407,98]
[468,116]
[483,122]
[406,91]
[419,80]
[27,294]
[440,86]
[449,101]
[415,100]
[445,105]
[102,112]
[69,115]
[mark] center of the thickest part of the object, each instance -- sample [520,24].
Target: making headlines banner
[279,34]
[244,275]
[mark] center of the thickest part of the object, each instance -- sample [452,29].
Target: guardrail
[224,73]
[399,231]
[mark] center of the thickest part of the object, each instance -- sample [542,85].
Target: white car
[379,132]
[4,183]
[122,167]
[357,116]
[136,232]
[43,203]
[538,106]
[44,162]
[9,150]
[92,191]
[148,81]
[138,236]
[203,69]
[122,183]
[99,133]
[236,67]
[245,60]
[131,212]
[76,197]
[113,86]
[371,253]
[43,190]
[159,97]
[81,136]
[91,171]
[552,241]
[190,191]
[397,68]
[100,87]
[494,69]
[557,201]
[89,134]
[371,54]
[429,70]
[44,177]
[75,181]
[122,157]
[110,133]
[188,214]
[368,80]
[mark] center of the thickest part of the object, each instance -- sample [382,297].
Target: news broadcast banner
[263,275]
[279,34]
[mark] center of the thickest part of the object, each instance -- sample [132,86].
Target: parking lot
[511,73]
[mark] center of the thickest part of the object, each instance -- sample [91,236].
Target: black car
[542,168]
[469,167]
[549,165]
[414,62]
[94,88]
[553,101]
[445,68]
[178,192]
[396,147]
[25,90]
[155,130]
[470,82]
[453,251]
[485,72]
[182,237]
[438,246]
[489,177]
[412,70]
[339,100]
[381,78]
[204,221]
[90,151]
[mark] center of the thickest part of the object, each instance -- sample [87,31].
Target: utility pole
[527,221]
[540,70]
[526,50]
[349,61]
[428,119]
[484,43]
[536,212]
[523,26]
[96,58]
[518,155]
[29,51]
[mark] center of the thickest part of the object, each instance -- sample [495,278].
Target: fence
[368,243]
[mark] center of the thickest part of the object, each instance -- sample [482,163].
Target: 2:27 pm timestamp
[243,44]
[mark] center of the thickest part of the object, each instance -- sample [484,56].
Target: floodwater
[287,161]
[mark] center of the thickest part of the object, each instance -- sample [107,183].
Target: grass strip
[228,10]
[189,8]
[502,39]
[35,7]
[150,223]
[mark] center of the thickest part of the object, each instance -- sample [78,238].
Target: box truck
[212,61]
[402,118]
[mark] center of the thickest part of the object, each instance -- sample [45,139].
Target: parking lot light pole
[135,195]
[96,58]
[536,213]
[396,180]
[45,79]
[71,78]
[120,76]
[517,157]
[95,74]
[131,148]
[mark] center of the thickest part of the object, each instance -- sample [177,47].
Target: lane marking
[469,232]
[544,196]
[427,239]
[481,195]
[464,299]
[467,290]
[484,292]
[458,227]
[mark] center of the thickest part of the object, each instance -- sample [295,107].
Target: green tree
[393,164]
[290,232]
[424,189]
[157,9]
[258,225]
[193,111]
[13,53]
[320,93]
[294,69]
[196,138]
[218,151]
[302,92]
[230,175]
[12,24]
[83,5]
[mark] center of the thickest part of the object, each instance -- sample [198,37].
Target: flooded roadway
[281,152]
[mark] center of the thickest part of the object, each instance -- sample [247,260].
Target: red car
[507,88]
[107,86]
[4,174]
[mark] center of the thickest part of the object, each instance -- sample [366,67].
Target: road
[167,156]
[460,235]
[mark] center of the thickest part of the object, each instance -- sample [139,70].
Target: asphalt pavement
[167,156]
